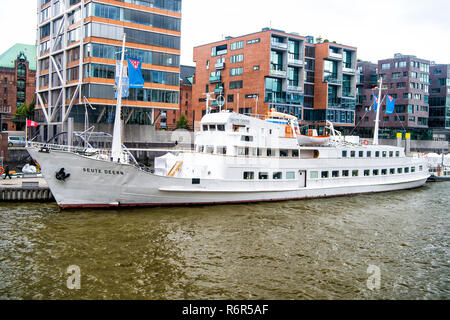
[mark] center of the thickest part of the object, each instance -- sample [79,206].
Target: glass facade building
[78,44]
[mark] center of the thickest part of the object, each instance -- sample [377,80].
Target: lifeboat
[313,138]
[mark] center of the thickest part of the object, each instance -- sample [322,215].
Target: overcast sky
[378,28]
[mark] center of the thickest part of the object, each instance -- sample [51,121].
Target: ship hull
[102,184]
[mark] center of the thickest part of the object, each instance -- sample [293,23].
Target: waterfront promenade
[24,189]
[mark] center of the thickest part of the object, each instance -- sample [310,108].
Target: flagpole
[26,131]
[116,149]
[377,121]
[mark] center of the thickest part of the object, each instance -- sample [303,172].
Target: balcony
[5,109]
[334,102]
[220,66]
[334,55]
[294,89]
[332,79]
[279,45]
[214,79]
[278,73]
[218,91]
[348,93]
[349,70]
[295,62]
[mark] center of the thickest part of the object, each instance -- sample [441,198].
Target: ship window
[384,172]
[243,151]
[335,174]
[384,154]
[345,173]
[295,153]
[397,154]
[353,154]
[263,176]
[420,168]
[392,171]
[377,154]
[277,175]
[361,154]
[212,127]
[413,169]
[258,152]
[376,172]
[221,150]
[249,175]
[209,149]
[366,173]
[201,149]
[391,154]
[406,170]
[314,174]
[290,175]
[205,127]
[369,154]
[325,174]
[399,170]
[195,181]
[284,153]
[355,173]
[247,138]
[221,127]
[344,154]
[270,153]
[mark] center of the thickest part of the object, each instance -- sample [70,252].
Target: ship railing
[99,154]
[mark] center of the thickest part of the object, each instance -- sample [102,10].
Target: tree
[319,39]
[25,111]
[182,123]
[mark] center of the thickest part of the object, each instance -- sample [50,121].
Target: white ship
[237,159]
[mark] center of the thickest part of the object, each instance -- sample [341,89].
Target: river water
[309,249]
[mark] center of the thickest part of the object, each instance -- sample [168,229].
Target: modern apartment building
[439,100]
[17,83]
[407,79]
[79,42]
[334,85]
[274,69]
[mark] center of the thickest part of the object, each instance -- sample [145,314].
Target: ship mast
[116,150]
[377,120]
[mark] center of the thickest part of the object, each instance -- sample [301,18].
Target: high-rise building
[440,99]
[17,83]
[253,73]
[79,42]
[407,79]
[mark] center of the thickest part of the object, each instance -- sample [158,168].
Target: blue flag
[375,103]
[135,73]
[390,105]
[125,81]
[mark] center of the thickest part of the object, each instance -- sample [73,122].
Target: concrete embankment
[25,189]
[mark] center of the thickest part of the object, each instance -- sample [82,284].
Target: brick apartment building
[17,82]
[407,79]
[274,69]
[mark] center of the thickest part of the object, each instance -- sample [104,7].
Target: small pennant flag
[31,124]
[390,105]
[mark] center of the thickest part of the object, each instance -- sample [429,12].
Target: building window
[237,45]
[385,66]
[253,41]
[230,98]
[236,71]
[255,68]
[237,58]
[236,85]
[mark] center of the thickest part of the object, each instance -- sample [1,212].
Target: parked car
[16,142]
